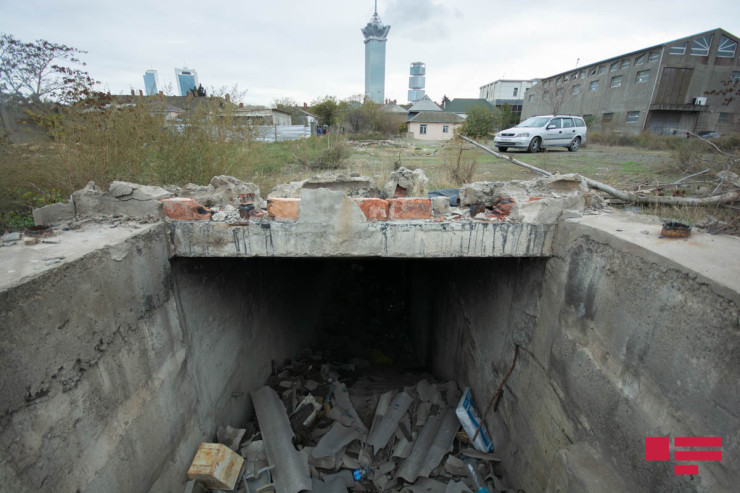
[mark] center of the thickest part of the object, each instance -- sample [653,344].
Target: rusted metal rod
[495,394]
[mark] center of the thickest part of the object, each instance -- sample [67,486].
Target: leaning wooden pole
[508,158]
[635,198]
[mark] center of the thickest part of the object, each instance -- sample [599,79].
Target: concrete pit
[124,355]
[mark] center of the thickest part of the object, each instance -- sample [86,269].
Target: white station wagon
[540,132]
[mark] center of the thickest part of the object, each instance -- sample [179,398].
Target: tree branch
[634,198]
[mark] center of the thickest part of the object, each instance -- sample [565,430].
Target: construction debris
[308,434]
[216,466]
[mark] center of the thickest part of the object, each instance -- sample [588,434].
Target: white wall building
[505,91]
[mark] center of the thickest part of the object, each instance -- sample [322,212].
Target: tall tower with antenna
[376,35]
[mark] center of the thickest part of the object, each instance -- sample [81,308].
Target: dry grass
[132,145]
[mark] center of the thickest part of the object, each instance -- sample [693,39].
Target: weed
[460,169]
[333,156]
[19,204]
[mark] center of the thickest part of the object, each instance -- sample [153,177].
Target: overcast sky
[307,49]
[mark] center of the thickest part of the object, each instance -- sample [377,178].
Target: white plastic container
[470,419]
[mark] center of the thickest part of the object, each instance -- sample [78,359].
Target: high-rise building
[376,34]
[151,82]
[417,81]
[187,80]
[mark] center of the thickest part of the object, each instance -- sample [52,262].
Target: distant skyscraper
[187,80]
[376,34]
[417,81]
[151,82]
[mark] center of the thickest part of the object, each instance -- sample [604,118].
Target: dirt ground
[626,168]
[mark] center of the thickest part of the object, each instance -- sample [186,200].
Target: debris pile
[359,427]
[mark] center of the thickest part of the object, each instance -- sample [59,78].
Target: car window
[555,123]
[567,123]
[579,122]
[535,121]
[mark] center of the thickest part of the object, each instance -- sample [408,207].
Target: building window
[566,78]
[724,118]
[614,67]
[654,56]
[727,47]
[445,129]
[640,60]
[531,98]
[700,46]
[576,89]
[575,76]
[642,76]
[616,81]
[602,69]
[626,63]
[633,116]
[678,49]
[594,85]
[735,77]
[607,117]
[516,91]
[546,96]
[592,72]
[559,92]
[423,128]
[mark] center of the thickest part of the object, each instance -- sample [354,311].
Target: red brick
[374,209]
[183,209]
[284,208]
[410,209]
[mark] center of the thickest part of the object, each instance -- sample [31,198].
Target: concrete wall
[617,344]
[117,365]
[92,356]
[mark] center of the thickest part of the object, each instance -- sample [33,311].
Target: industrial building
[376,35]
[507,91]
[665,89]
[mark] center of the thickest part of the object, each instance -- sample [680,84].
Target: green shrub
[333,156]
[137,143]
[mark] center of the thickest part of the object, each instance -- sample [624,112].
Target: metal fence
[272,133]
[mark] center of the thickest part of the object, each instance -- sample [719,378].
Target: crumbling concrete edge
[688,256]
[410,239]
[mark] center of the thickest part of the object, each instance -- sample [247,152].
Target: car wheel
[502,149]
[535,145]
[573,147]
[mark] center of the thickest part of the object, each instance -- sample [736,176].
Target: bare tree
[42,70]
[235,94]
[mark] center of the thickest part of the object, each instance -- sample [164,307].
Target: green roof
[463,105]
[437,117]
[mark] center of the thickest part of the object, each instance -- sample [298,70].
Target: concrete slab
[20,263]
[407,239]
[713,258]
